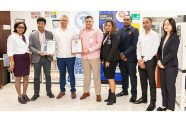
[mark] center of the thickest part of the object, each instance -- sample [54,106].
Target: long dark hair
[173,24]
[114,27]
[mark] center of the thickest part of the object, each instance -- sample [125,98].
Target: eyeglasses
[21,27]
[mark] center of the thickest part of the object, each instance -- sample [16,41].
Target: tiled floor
[8,101]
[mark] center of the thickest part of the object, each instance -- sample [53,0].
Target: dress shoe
[25,97]
[141,100]
[84,96]
[112,99]
[50,95]
[122,93]
[107,100]
[151,107]
[98,98]
[34,97]
[60,95]
[133,99]
[73,95]
[21,100]
[161,109]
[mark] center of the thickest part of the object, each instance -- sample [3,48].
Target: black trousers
[148,74]
[46,64]
[129,69]
[168,88]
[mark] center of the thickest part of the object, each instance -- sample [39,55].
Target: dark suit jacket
[35,46]
[110,49]
[169,51]
[128,42]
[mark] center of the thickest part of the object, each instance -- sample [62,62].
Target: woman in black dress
[18,52]
[168,63]
[110,57]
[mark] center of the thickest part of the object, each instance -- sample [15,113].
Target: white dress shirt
[165,41]
[42,40]
[16,45]
[147,45]
[64,42]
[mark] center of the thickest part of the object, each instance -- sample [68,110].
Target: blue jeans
[62,64]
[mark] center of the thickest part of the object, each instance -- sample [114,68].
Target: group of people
[125,47]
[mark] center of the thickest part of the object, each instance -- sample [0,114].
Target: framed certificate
[50,47]
[76,46]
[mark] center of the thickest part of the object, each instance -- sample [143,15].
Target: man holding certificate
[64,37]
[42,48]
[91,41]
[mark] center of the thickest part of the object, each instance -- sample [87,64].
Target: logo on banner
[120,15]
[80,18]
[35,14]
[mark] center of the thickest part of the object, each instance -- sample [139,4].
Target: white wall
[32,24]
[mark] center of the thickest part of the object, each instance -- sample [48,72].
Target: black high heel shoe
[108,99]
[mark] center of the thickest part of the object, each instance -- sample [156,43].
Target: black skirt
[22,65]
[109,72]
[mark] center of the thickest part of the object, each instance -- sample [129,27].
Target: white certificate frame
[76,46]
[50,47]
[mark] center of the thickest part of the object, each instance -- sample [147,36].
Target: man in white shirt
[65,59]
[147,48]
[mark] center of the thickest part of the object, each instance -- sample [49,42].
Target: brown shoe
[25,97]
[84,96]
[73,95]
[98,98]
[21,100]
[60,95]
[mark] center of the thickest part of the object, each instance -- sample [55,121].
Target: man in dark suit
[40,58]
[128,59]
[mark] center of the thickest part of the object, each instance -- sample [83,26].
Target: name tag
[109,41]
[90,40]
[129,33]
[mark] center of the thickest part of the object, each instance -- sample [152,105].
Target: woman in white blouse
[18,52]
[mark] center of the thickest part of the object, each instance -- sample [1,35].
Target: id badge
[109,42]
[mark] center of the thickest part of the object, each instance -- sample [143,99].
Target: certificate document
[50,47]
[76,46]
